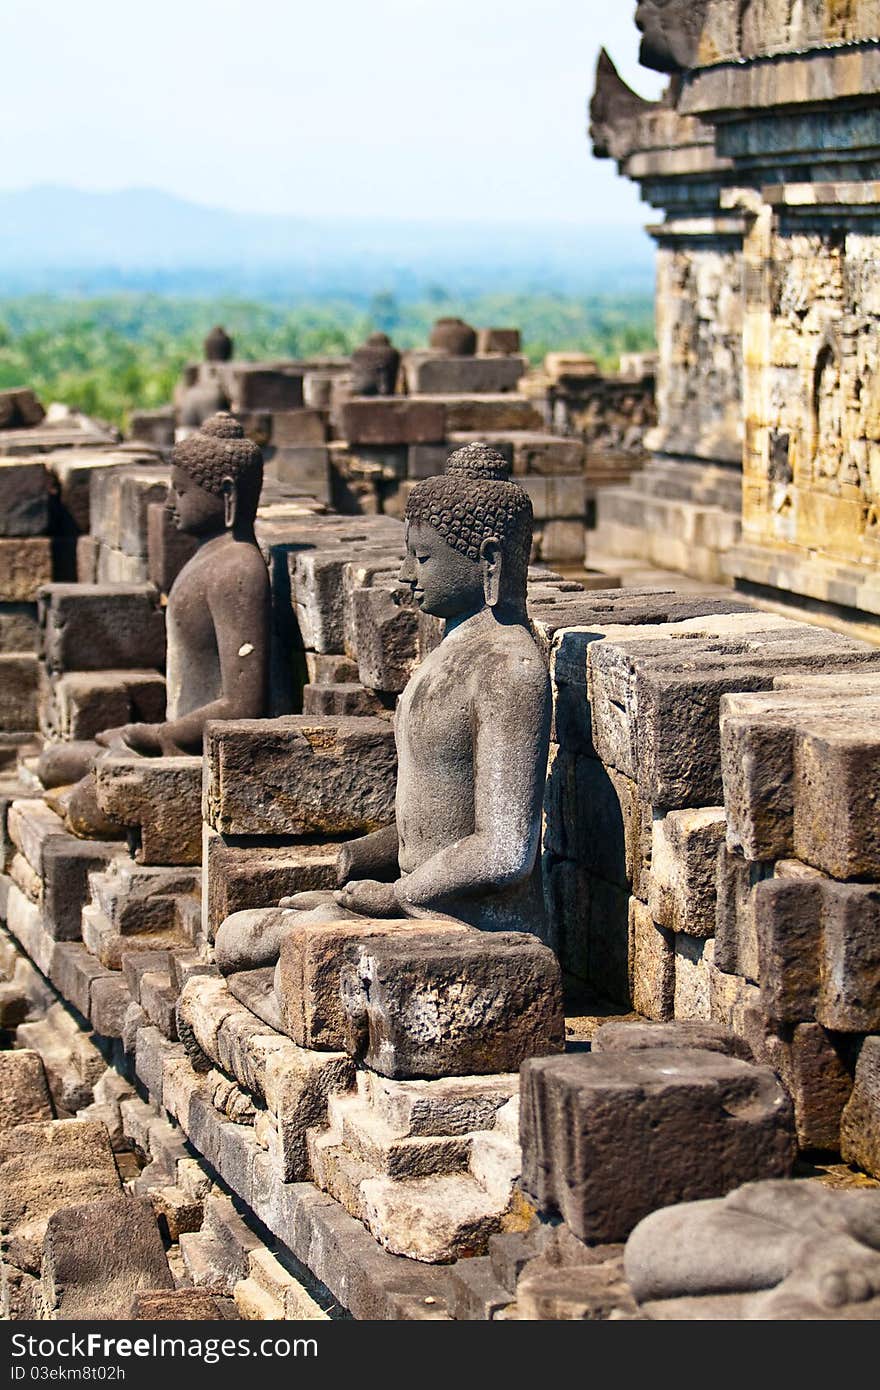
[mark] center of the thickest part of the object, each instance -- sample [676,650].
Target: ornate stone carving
[615,112]
[671,31]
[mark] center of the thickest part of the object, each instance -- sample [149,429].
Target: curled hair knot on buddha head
[474,501]
[218,451]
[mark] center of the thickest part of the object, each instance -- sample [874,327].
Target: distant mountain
[62,239]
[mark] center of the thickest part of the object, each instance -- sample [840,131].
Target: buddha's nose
[408,571]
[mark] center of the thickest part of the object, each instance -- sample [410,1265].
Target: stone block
[349,700]
[386,633]
[609,1137]
[705,1036]
[426,374]
[25,566]
[303,468]
[682,892]
[556,497]
[97,1257]
[426,460]
[860,1127]
[298,776]
[84,703]
[99,627]
[849,992]
[19,631]
[693,957]
[788,925]
[298,1085]
[488,414]
[168,549]
[452,1105]
[459,1004]
[66,865]
[387,421]
[120,499]
[160,798]
[809,1063]
[652,965]
[836,827]
[176,1305]
[109,1001]
[316,578]
[498,340]
[19,690]
[736,939]
[24,1092]
[46,1166]
[295,428]
[819,952]
[238,877]
[561,541]
[547,455]
[313,960]
[26,492]
[655,701]
[255,387]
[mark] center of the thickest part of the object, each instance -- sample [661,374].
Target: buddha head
[218,345]
[217,475]
[468,538]
[671,31]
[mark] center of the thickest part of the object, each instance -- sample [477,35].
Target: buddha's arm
[239,608]
[512,723]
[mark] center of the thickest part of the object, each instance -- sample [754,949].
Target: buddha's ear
[490,563]
[230,502]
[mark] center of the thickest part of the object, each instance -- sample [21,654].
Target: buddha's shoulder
[512,650]
[243,563]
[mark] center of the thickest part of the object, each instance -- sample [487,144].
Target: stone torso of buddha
[472,730]
[467,807]
[217,620]
[218,608]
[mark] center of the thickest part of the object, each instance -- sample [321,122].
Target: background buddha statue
[454,337]
[205,395]
[472,731]
[218,608]
[374,367]
[218,345]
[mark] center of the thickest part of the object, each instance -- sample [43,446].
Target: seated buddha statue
[472,730]
[217,616]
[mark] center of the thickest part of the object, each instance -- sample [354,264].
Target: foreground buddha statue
[217,616]
[472,731]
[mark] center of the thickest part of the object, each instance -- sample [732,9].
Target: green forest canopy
[110,355]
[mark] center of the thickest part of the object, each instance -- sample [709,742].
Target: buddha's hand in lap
[133,738]
[370,898]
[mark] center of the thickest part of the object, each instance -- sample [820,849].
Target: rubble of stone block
[358,432]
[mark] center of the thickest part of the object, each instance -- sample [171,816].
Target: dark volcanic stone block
[463,1004]
[300,776]
[102,627]
[609,1138]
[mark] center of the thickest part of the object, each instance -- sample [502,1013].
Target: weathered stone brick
[609,1137]
[298,776]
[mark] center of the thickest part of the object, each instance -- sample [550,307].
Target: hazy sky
[458,109]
